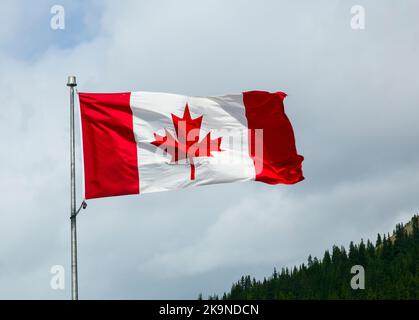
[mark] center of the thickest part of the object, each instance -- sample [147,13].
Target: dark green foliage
[391,272]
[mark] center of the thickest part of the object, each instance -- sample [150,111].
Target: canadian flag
[138,142]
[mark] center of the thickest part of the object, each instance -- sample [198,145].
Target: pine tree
[379,241]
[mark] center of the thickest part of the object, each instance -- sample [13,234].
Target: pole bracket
[82,206]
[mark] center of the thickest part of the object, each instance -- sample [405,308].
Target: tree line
[391,267]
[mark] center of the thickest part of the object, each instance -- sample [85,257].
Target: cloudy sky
[353,101]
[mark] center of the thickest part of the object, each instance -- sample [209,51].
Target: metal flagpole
[71,82]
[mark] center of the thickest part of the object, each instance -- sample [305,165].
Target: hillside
[391,272]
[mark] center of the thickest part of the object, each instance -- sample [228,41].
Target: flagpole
[72,83]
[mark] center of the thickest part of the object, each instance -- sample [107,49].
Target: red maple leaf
[187,145]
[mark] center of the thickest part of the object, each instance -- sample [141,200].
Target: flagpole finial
[71,81]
